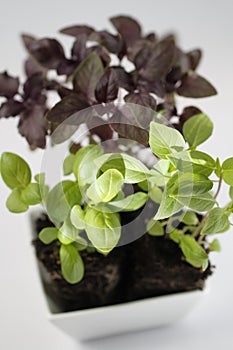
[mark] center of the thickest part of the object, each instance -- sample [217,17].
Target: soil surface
[150,266]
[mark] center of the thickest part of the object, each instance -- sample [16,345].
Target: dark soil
[150,266]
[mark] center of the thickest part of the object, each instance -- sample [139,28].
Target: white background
[207,24]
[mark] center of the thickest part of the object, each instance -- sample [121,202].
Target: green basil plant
[181,182]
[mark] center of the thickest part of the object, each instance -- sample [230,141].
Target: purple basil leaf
[66,67]
[77,30]
[141,98]
[32,67]
[107,87]
[99,127]
[181,61]
[151,37]
[74,147]
[67,107]
[79,50]
[33,86]
[28,40]
[47,52]
[174,75]
[128,28]
[159,61]
[63,91]
[126,128]
[11,108]
[194,58]
[33,126]
[102,53]
[113,43]
[195,86]
[87,76]
[142,56]
[8,85]
[125,79]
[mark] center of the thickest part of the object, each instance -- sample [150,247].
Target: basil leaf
[15,171]
[31,194]
[215,246]
[77,217]
[48,235]
[193,161]
[155,228]
[87,75]
[71,264]
[197,129]
[131,168]
[164,140]
[68,233]
[199,202]
[193,252]
[217,221]
[61,199]
[85,168]
[14,202]
[68,164]
[227,171]
[103,229]
[106,186]
[190,218]
[129,203]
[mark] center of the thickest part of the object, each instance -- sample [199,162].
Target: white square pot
[121,318]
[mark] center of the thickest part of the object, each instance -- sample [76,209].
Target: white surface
[205,23]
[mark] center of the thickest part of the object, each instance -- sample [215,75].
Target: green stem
[219,187]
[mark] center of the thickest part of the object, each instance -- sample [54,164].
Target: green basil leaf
[156,194]
[71,264]
[106,187]
[190,218]
[68,233]
[176,235]
[31,195]
[155,228]
[68,164]
[77,217]
[85,169]
[61,199]
[217,221]
[200,202]
[215,246]
[231,192]
[129,203]
[103,229]
[168,207]
[197,129]
[48,235]
[132,169]
[193,161]
[193,252]
[159,173]
[14,202]
[15,171]
[218,168]
[227,171]
[164,140]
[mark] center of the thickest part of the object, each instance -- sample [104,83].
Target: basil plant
[184,184]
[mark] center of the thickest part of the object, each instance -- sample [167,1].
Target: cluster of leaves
[160,70]
[86,210]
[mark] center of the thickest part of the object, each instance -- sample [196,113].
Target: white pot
[122,318]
